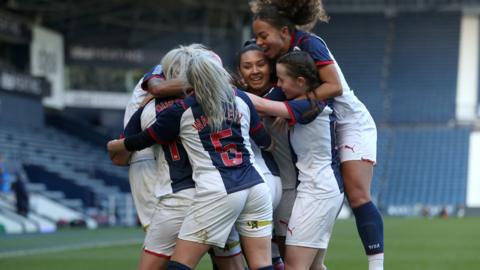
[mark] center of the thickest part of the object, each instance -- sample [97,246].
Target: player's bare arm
[269,107]
[331,86]
[169,88]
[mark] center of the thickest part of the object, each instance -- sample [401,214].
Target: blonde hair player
[215,124]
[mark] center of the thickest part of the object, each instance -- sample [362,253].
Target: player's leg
[229,257]
[150,260]
[254,225]
[187,254]
[162,232]
[277,260]
[299,258]
[357,172]
[228,263]
[319,261]
[257,251]
[357,177]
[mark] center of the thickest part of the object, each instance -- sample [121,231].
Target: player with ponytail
[279,27]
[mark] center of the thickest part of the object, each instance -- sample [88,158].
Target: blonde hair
[213,90]
[175,62]
[302,14]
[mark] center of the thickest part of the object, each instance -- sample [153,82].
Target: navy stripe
[177,159]
[270,162]
[294,158]
[335,156]
[236,176]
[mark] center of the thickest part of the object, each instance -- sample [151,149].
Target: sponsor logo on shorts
[290,230]
[255,224]
[350,147]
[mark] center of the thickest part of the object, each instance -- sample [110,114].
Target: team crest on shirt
[296,48]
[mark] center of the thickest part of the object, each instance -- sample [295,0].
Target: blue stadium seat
[63,162]
[423,72]
[422,166]
[358,43]
[54,182]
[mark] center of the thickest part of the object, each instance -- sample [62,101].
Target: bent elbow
[339,92]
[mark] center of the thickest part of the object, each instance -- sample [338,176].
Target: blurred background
[67,69]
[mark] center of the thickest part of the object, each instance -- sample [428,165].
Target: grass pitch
[414,244]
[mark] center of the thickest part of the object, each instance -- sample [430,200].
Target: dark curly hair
[302,13]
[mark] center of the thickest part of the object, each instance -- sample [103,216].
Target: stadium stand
[401,64]
[404,69]
[75,172]
[423,165]
[360,52]
[423,73]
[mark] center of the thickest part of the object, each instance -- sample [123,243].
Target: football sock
[173,265]
[277,263]
[375,262]
[370,227]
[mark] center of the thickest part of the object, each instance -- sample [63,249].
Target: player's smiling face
[255,70]
[291,86]
[275,42]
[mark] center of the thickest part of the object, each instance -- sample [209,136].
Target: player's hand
[120,158]
[117,152]
[116,145]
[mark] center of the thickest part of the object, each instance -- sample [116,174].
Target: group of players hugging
[253,164]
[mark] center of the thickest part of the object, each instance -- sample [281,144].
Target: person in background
[22,199]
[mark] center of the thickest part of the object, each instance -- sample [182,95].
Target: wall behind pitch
[22,110]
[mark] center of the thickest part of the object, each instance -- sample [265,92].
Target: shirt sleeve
[257,131]
[276,94]
[155,72]
[318,50]
[136,99]
[165,129]
[303,111]
[134,124]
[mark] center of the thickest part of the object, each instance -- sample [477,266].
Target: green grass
[421,244]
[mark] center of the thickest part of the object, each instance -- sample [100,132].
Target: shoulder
[276,93]
[241,94]
[304,111]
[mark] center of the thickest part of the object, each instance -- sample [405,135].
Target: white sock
[375,262]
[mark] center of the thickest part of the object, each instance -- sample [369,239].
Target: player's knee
[357,199]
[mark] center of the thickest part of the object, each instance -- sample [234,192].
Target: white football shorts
[312,220]
[143,175]
[210,220]
[170,212]
[282,213]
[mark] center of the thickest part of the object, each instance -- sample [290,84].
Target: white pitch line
[17,253]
